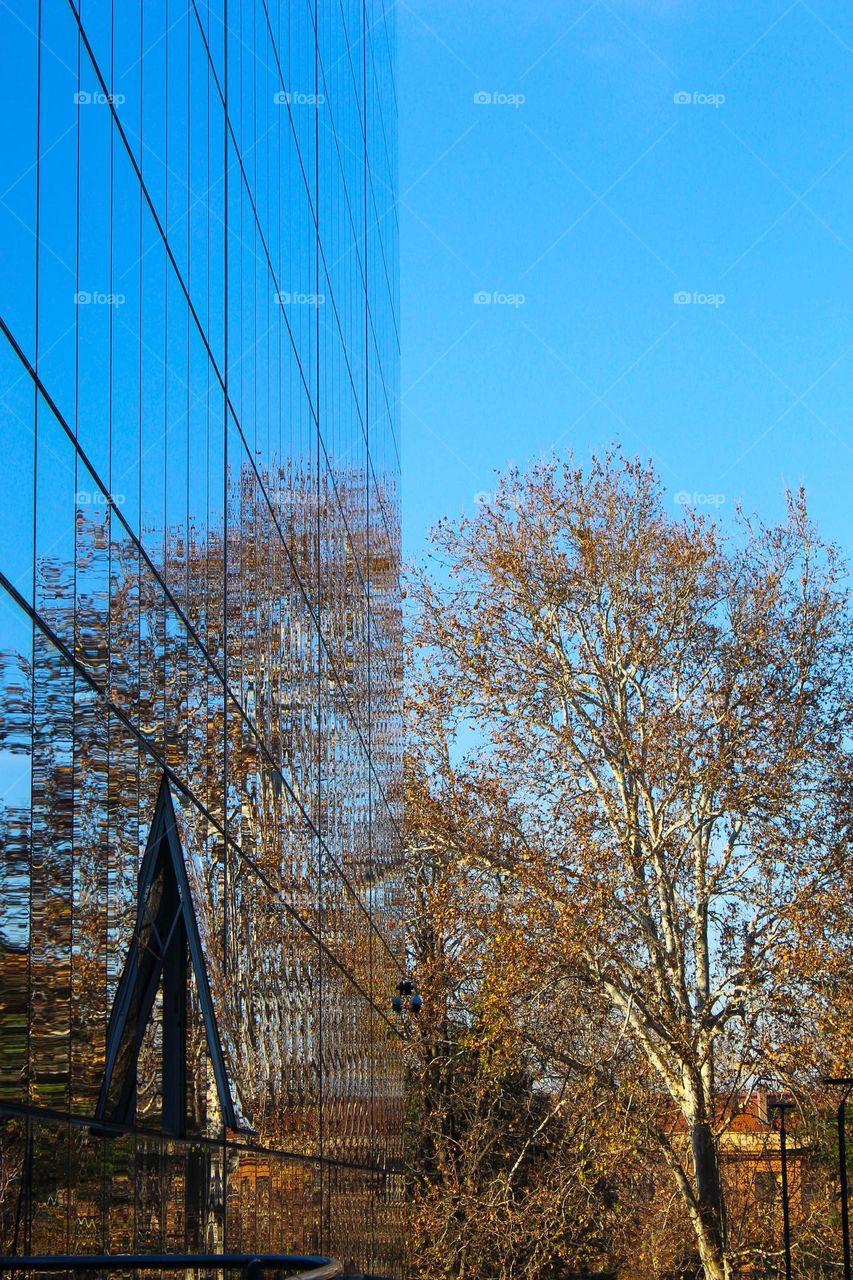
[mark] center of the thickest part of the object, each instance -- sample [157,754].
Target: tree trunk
[710,1228]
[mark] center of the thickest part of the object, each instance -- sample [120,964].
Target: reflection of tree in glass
[152,635]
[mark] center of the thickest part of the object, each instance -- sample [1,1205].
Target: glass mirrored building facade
[200,631]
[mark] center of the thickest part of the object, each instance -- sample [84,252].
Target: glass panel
[21,146]
[16,694]
[17,423]
[199,567]
[13,1146]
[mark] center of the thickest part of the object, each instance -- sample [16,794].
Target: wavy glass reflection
[199,578]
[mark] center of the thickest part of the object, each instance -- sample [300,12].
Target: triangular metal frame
[166,937]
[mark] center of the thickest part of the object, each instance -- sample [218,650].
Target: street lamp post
[783,1108]
[846,1083]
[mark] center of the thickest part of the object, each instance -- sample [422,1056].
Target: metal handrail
[299,1266]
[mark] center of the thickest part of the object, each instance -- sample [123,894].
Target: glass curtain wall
[199,582]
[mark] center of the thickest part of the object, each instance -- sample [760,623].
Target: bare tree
[661,724]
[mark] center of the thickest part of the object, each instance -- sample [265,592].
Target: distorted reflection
[199,579]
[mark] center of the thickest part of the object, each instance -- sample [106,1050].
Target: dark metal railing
[253,1265]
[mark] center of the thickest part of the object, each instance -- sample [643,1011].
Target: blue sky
[596,199]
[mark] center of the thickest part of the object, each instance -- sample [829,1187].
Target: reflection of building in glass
[199,552]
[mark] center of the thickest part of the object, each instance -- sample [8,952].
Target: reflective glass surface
[199,578]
